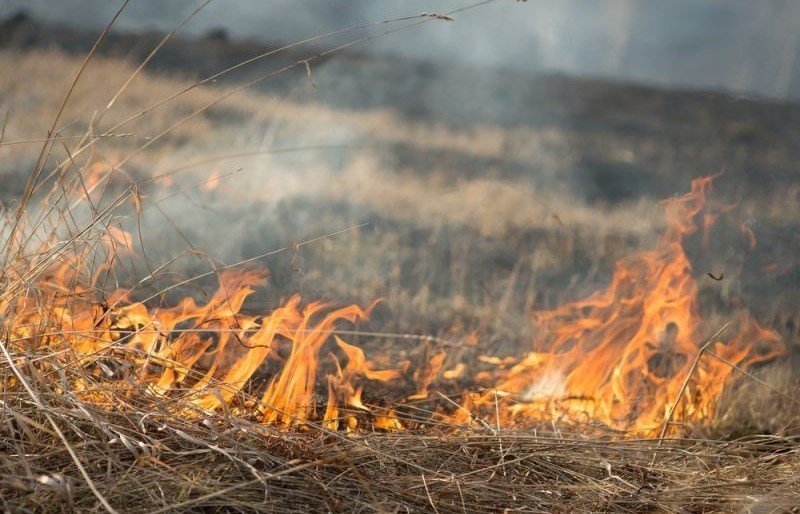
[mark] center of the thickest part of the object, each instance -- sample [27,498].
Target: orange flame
[208,352]
[212,183]
[619,356]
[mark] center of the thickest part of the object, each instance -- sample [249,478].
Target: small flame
[95,173]
[119,240]
[208,352]
[212,183]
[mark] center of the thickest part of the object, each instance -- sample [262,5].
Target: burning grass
[138,451]
[627,356]
[130,399]
[199,405]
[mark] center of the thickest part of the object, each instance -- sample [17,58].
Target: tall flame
[620,355]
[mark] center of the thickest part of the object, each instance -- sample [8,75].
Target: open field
[518,234]
[463,224]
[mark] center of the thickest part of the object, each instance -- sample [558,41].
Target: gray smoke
[739,46]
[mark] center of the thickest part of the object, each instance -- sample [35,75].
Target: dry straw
[140,453]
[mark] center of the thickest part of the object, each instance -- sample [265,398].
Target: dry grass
[472,252]
[148,459]
[418,218]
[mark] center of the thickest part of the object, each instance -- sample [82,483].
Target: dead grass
[343,173]
[472,252]
[144,457]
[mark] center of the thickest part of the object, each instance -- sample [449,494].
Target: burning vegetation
[131,384]
[629,356]
[280,401]
[626,354]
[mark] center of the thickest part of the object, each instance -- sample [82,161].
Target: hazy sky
[746,46]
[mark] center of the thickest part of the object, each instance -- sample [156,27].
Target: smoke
[739,46]
[482,188]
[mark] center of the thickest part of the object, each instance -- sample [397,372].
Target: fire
[206,353]
[95,173]
[619,357]
[212,183]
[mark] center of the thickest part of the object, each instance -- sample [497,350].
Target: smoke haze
[738,46]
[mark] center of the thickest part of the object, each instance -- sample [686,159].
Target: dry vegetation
[445,250]
[158,462]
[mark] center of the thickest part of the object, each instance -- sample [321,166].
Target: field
[462,221]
